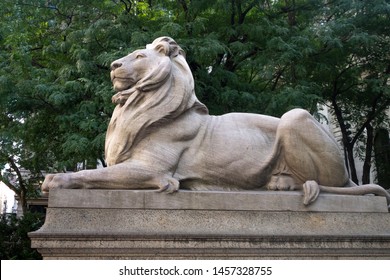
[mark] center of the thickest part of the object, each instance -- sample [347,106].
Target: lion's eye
[140,55]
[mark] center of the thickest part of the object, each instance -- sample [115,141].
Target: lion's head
[153,85]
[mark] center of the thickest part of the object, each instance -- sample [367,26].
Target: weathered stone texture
[108,224]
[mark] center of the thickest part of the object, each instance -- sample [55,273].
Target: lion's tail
[358,190]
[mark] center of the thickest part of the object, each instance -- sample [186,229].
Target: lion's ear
[162,47]
[168,49]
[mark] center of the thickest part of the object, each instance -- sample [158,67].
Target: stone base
[118,224]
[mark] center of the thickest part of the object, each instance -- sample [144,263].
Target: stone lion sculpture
[162,137]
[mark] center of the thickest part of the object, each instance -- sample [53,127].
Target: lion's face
[154,85]
[131,69]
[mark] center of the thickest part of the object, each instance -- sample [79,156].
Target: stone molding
[109,224]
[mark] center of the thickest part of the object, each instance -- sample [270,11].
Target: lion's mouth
[121,84]
[122,92]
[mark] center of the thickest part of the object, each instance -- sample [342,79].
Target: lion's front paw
[169,185]
[47,184]
[52,181]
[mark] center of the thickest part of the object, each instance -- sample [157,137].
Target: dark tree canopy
[257,56]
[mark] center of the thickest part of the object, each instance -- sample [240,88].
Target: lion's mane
[166,92]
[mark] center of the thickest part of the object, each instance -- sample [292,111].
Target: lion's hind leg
[281,182]
[308,151]
[167,184]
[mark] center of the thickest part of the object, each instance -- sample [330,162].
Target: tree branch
[233,15]
[184,5]
[13,165]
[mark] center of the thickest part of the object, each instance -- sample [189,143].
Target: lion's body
[206,152]
[160,136]
[238,144]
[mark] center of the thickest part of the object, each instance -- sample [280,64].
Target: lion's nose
[115,65]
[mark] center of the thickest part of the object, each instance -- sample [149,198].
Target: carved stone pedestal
[117,224]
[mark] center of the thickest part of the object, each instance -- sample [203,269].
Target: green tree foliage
[353,74]
[257,56]
[14,241]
